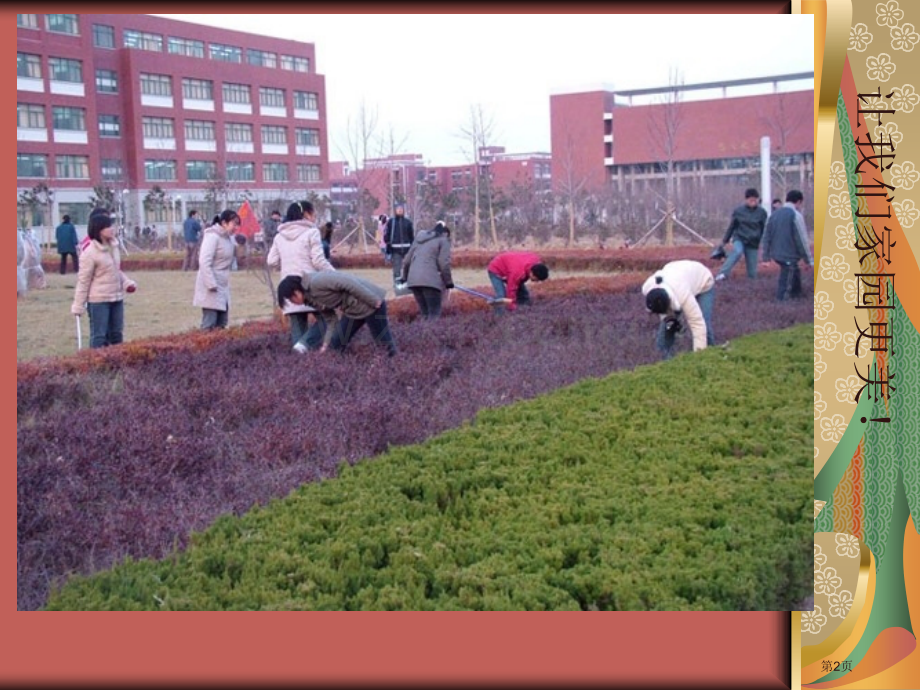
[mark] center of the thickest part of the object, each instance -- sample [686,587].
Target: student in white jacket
[681,288]
[298,249]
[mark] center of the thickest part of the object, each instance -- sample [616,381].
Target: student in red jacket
[509,272]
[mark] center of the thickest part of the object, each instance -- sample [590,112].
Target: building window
[241,172]
[237,93]
[63,69]
[199,130]
[274,172]
[271,98]
[225,53]
[307,137]
[261,58]
[72,167]
[159,128]
[308,173]
[274,135]
[200,171]
[198,89]
[103,36]
[78,211]
[27,21]
[65,117]
[63,24]
[304,100]
[30,116]
[735,163]
[159,171]
[31,165]
[28,66]
[239,133]
[156,85]
[112,169]
[106,81]
[185,46]
[295,64]
[144,41]
[109,126]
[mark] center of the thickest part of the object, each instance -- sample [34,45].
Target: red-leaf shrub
[130,458]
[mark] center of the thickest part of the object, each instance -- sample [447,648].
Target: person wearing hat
[426,269]
[398,237]
[681,288]
[744,232]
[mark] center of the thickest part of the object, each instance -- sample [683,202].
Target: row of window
[104,37]
[77,168]
[708,164]
[31,116]
[68,70]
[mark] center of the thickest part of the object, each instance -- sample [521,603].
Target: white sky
[422,73]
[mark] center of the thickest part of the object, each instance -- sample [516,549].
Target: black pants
[789,273]
[428,300]
[76,262]
[377,323]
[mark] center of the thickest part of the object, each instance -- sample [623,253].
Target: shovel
[493,301]
[79,334]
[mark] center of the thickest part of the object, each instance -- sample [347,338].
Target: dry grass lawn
[163,305]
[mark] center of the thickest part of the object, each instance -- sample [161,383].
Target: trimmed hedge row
[681,485]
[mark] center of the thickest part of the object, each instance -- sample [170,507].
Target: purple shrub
[130,461]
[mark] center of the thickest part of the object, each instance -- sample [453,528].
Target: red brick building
[624,137]
[132,101]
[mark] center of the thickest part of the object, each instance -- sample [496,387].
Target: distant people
[509,273]
[426,269]
[681,289]
[744,232]
[212,285]
[191,229]
[270,228]
[326,237]
[777,204]
[381,233]
[398,237]
[786,243]
[332,292]
[66,234]
[298,248]
[101,285]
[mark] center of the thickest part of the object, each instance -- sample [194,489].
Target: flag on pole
[249,226]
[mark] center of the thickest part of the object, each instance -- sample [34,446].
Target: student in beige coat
[101,286]
[296,249]
[681,288]
[212,286]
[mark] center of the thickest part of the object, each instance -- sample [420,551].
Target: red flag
[249,226]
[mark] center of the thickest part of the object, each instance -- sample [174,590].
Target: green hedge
[682,485]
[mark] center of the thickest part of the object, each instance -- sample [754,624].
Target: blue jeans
[106,323]
[212,318]
[750,259]
[501,291]
[312,337]
[665,339]
[377,323]
[789,272]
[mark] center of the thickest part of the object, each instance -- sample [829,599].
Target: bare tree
[571,183]
[780,125]
[389,145]
[39,198]
[664,128]
[360,133]
[477,133]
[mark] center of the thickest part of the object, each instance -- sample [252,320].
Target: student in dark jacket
[67,244]
[744,232]
[426,269]
[191,230]
[326,239]
[398,237]
[347,302]
[785,241]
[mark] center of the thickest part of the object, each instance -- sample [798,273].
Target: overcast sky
[422,73]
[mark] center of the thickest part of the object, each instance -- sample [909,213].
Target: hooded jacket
[212,285]
[100,278]
[683,281]
[428,262]
[298,249]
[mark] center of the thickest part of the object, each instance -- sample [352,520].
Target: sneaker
[720,276]
[300,349]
